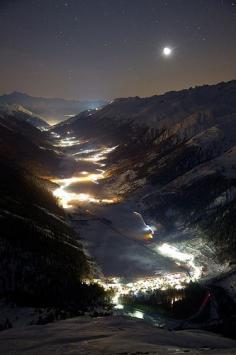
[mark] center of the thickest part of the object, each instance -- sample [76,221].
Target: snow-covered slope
[109,335]
[176,156]
[22,114]
[24,144]
[186,112]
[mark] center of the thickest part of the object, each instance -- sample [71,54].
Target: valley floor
[109,335]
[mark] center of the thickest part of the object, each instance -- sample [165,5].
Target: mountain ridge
[50,109]
[175,148]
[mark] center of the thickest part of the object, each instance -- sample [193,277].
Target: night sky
[89,49]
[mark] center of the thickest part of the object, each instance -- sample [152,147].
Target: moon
[167,51]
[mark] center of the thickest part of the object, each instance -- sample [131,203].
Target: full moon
[167,51]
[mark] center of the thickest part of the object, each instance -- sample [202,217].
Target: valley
[128,254]
[118,177]
[123,210]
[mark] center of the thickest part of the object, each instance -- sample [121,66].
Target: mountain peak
[18,94]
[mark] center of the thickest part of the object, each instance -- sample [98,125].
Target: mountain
[23,114]
[175,161]
[189,108]
[176,158]
[51,110]
[42,262]
[27,146]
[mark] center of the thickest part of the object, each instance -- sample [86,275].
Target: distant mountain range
[50,110]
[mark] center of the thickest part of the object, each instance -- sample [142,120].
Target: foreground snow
[109,335]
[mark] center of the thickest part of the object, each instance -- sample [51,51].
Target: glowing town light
[54,134]
[84,197]
[69,199]
[101,171]
[67,142]
[149,236]
[94,158]
[172,252]
[115,299]
[137,314]
[107,200]
[76,179]
[144,285]
[64,197]
[119,306]
[101,155]
[87,151]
